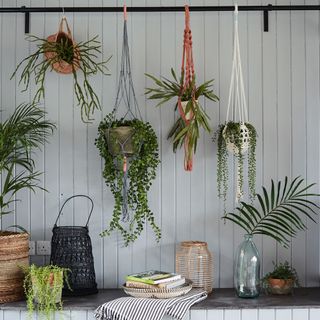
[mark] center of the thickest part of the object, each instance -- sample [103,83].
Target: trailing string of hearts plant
[129,147]
[237,136]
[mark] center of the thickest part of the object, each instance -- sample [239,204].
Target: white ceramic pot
[184,105]
[244,137]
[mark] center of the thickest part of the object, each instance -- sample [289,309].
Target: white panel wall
[218,314]
[281,70]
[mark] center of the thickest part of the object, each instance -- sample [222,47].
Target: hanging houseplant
[192,117]
[129,148]
[43,289]
[21,134]
[237,136]
[65,56]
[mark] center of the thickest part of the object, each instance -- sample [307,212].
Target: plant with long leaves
[23,132]
[166,90]
[82,56]
[279,212]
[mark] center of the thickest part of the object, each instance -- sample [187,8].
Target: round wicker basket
[159,293]
[14,253]
[194,262]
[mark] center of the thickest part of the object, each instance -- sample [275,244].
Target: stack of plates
[159,293]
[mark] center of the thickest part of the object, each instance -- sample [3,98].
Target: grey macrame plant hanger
[125,97]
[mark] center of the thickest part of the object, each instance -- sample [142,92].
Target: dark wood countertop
[219,299]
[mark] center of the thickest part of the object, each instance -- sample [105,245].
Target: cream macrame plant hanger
[237,105]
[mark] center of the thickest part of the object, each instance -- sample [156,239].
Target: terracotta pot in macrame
[62,66]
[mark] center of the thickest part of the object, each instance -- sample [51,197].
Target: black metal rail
[266,9]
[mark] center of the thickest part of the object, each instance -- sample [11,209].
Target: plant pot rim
[63,66]
[13,233]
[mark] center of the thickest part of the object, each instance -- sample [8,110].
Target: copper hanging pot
[62,66]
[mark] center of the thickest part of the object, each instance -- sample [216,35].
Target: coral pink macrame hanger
[187,70]
[125,16]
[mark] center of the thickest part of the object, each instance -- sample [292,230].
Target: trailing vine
[230,132]
[141,171]
[44,285]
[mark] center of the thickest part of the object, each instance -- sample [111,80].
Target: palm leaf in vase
[280,213]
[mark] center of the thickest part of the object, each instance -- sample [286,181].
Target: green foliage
[278,212]
[282,271]
[231,132]
[42,287]
[166,90]
[141,171]
[82,55]
[25,131]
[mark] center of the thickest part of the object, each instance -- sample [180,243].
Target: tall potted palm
[23,132]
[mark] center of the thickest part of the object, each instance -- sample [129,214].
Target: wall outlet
[43,248]
[32,248]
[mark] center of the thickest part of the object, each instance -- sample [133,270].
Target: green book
[153,277]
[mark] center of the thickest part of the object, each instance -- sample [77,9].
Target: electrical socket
[43,248]
[32,248]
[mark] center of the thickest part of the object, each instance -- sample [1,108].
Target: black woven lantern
[71,248]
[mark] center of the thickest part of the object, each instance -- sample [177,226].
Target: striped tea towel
[129,308]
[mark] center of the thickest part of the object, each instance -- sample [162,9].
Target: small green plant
[20,135]
[82,56]
[278,212]
[43,289]
[140,173]
[166,90]
[282,271]
[230,133]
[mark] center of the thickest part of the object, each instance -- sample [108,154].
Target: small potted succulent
[281,280]
[61,53]
[184,130]
[238,139]
[131,159]
[43,289]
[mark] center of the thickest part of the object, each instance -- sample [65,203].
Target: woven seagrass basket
[14,252]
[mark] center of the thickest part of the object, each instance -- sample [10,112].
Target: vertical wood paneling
[137,25]
[255,97]
[225,55]
[11,315]
[212,206]
[215,315]
[232,315]
[168,158]
[251,314]
[269,131]
[312,134]
[298,314]
[111,46]
[283,314]
[183,178]
[68,113]
[95,185]
[197,176]
[283,63]
[281,71]
[298,96]
[266,314]
[314,314]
